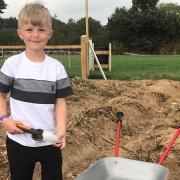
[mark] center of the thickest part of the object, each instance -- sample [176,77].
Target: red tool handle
[162,158]
[118,132]
[117,138]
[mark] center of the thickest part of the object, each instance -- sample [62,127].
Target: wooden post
[87,34]
[84,67]
[110,56]
[1,54]
[69,59]
[86,18]
[2,51]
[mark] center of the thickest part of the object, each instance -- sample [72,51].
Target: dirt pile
[152,115]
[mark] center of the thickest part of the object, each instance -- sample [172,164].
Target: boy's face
[34,37]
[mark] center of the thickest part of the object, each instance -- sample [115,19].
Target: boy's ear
[19,33]
[51,33]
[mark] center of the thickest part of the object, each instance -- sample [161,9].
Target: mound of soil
[152,115]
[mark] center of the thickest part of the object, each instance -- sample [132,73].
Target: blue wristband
[2,117]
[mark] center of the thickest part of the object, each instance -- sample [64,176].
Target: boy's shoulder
[14,59]
[54,61]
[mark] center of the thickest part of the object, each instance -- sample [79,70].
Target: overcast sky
[66,9]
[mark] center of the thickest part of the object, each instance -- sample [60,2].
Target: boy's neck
[36,56]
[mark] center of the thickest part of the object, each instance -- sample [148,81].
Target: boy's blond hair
[35,14]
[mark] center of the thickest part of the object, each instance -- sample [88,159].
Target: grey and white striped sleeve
[6,78]
[63,85]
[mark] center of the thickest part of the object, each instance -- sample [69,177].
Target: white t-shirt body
[34,87]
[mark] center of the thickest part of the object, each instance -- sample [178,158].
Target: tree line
[146,27]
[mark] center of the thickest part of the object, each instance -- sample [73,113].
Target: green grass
[146,67]
[75,65]
[130,67]
[142,67]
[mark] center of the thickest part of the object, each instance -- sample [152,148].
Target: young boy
[38,85]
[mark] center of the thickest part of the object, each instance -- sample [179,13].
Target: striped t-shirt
[34,87]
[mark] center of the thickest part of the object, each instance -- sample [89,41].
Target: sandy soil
[152,115]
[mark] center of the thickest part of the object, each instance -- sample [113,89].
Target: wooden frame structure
[105,52]
[83,47]
[47,47]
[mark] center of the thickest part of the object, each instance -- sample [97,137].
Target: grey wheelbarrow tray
[116,168]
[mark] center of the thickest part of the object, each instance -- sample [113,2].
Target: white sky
[66,9]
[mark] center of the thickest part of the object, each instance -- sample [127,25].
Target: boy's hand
[62,137]
[10,126]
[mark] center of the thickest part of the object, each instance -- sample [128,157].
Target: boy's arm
[7,123]
[61,115]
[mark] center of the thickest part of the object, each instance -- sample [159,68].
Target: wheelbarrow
[116,168]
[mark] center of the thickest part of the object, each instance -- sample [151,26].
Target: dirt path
[152,114]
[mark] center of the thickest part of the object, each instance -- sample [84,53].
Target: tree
[120,27]
[72,33]
[146,28]
[143,5]
[59,32]
[169,8]
[3,5]
[170,15]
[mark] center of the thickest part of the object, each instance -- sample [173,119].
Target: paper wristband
[2,117]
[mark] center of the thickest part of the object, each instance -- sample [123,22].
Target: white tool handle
[48,136]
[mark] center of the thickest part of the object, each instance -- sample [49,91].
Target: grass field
[146,67]
[133,67]
[130,67]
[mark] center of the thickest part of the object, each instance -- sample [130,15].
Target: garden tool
[39,134]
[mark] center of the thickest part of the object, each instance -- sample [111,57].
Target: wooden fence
[83,48]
